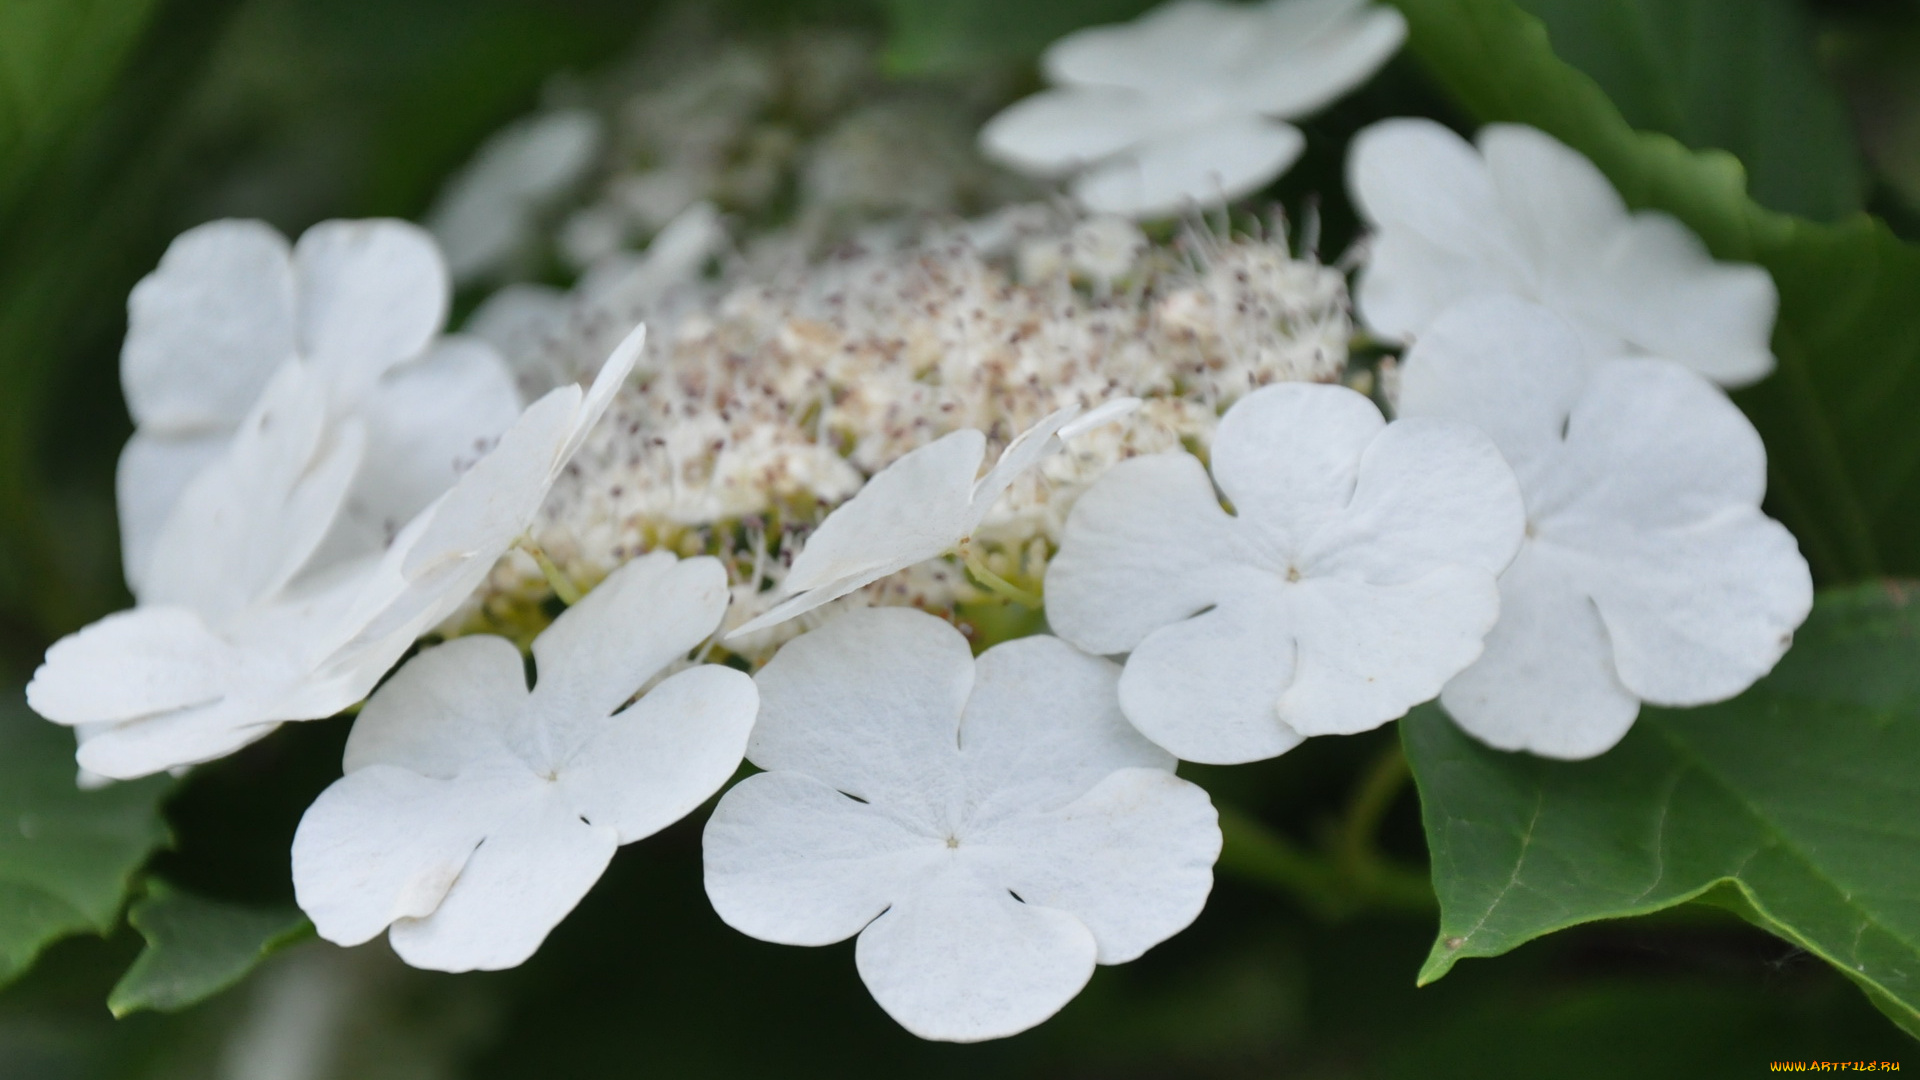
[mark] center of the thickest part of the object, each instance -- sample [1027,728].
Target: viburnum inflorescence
[811,395]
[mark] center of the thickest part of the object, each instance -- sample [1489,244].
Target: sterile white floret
[360,303]
[1648,572]
[990,829]
[1186,106]
[245,623]
[1526,215]
[1354,577]
[475,814]
[918,508]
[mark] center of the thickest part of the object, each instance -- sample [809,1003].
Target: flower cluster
[317,480]
[1582,338]
[1043,409]
[771,403]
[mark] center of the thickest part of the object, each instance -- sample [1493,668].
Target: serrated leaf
[67,857]
[1844,454]
[1797,805]
[198,947]
[1739,75]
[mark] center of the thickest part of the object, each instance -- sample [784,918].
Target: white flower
[991,829]
[1649,572]
[484,217]
[1105,248]
[1528,216]
[239,631]
[360,304]
[918,508]
[1185,105]
[1354,578]
[474,815]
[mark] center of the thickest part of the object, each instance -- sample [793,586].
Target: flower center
[1293,573]
[953,842]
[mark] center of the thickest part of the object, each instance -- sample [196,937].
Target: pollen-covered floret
[771,404]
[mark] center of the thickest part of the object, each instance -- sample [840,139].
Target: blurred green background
[123,122]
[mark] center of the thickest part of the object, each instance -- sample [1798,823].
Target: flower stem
[557,579]
[994,583]
[1322,883]
[1349,874]
[1379,786]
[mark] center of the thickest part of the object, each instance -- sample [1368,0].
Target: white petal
[1288,456]
[208,328]
[653,763]
[248,522]
[383,844]
[1056,132]
[1207,166]
[494,502]
[444,710]
[1146,545]
[530,871]
[1645,278]
[427,421]
[1657,288]
[917,504]
[130,664]
[1367,653]
[444,554]
[1440,233]
[1509,367]
[1309,53]
[648,613]
[371,294]
[1102,414]
[1208,689]
[912,510]
[1043,726]
[607,382]
[1132,859]
[870,703]
[791,860]
[153,471]
[170,741]
[1431,492]
[1660,483]
[1172,47]
[1546,682]
[1028,449]
[961,960]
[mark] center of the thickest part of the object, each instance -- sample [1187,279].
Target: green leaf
[198,947]
[67,856]
[1735,74]
[1796,805]
[1844,468]
[949,36]
[57,60]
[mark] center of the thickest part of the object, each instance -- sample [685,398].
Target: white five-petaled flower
[991,829]
[1528,216]
[1649,572]
[240,629]
[475,814]
[359,303]
[917,508]
[1186,106]
[1355,576]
